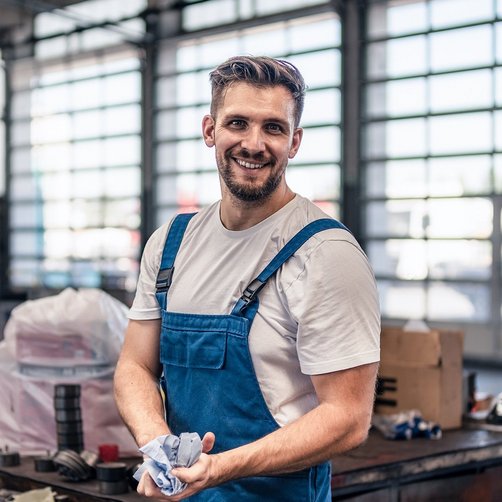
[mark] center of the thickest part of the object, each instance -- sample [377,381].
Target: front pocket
[192,348]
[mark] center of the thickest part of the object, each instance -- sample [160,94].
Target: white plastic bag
[91,321]
[73,338]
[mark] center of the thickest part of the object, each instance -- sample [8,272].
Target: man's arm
[339,423]
[136,382]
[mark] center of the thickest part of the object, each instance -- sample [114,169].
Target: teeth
[248,165]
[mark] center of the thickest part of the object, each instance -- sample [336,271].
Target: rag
[165,453]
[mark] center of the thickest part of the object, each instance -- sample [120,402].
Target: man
[274,364]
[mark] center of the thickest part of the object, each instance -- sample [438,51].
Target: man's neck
[239,215]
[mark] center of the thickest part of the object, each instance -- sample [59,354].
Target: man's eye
[274,127]
[237,123]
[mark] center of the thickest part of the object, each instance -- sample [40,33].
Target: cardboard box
[421,371]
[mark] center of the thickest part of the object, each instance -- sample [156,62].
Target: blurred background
[100,140]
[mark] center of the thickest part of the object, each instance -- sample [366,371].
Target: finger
[147,486]
[183,474]
[208,442]
[194,473]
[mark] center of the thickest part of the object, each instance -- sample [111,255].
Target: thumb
[208,442]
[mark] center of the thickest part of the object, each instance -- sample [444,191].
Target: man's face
[254,136]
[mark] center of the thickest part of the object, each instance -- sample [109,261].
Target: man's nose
[253,140]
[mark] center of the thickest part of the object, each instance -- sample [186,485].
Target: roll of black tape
[113,487]
[66,403]
[77,437]
[69,427]
[66,390]
[77,447]
[9,459]
[111,471]
[69,415]
[45,464]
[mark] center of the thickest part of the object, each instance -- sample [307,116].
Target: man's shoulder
[307,212]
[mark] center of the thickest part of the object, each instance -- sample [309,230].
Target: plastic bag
[72,337]
[91,321]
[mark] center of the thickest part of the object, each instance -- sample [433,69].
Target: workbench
[466,464]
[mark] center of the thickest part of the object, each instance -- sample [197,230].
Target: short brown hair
[260,71]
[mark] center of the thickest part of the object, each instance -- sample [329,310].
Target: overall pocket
[189,348]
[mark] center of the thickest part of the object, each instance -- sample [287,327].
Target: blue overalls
[210,383]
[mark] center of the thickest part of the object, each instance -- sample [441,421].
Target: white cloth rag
[167,452]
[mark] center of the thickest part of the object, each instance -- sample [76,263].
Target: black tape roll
[44,464]
[9,459]
[69,415]
[71,438]
[113,487]
[73,446]
[66,390]
[66,403]
[111,471]
[69,427]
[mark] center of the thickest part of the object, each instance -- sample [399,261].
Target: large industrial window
[75,153]
[185,170]
[432,156]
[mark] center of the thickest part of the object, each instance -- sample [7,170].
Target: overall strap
[171,247]
[250,293]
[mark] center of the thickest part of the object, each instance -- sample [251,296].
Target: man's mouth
[250,165]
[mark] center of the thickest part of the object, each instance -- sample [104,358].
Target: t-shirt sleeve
[145,305]
[334,300]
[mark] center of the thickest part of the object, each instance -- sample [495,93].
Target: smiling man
[255,133]
[259,314]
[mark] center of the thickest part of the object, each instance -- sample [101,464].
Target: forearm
[139,402]
[314,438]
[136,382]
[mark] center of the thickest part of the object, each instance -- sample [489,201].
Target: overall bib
[210,383]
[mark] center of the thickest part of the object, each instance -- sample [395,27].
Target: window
[431,156]
[185,171]
[75,156]
[430,150]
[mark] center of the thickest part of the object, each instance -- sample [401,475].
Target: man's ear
[208,130]
[295,144]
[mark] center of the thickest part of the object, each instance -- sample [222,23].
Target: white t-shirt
[318,314]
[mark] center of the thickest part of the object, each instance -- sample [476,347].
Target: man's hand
[198,477]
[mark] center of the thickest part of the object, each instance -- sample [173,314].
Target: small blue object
[406,425]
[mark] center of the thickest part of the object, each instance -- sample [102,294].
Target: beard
[250,192]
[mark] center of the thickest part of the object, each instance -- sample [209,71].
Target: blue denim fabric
[210,383]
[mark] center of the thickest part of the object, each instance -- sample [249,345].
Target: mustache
[245,154]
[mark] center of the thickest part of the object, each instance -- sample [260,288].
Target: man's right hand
[149,488]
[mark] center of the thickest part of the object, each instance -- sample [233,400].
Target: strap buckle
[251,291]
[164,280]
